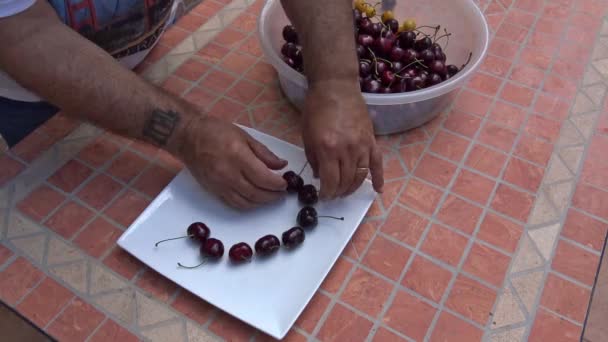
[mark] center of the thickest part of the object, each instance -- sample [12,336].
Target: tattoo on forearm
[160,126]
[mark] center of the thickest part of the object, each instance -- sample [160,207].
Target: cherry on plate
[308,195]
[267,245]
[294,182]
[212,249]
[240,252]
[197,231]
[293,237]
[290,34]
[309,218]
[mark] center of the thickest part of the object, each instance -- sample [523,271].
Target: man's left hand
[339,138]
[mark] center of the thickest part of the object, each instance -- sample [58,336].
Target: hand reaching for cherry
[231,164]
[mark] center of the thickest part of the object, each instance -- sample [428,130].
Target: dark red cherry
[309,218]
[289,50]
[290,34]
[294,182]
[397,67]
[240,252]
[397,54]
[371,86]
[267,245]
[414,83]
[423,44]
[436,48]
[383,45]
[289,62]
[427,56]
[438,67]
[365,26]
[434,79]
[393,25]
[361,51]
[452,70]
[308,195]
[407,39]
[199,231]
[409,56]
[379,67]
[293,237]
[357,15]
[376,30]
[365,40]
[213,248]
[365,69]
[387,78]
[441,57]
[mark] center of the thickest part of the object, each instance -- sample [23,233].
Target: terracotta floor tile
[585,230]
[127,166]
[44,302]
[193,307]
[393,167]
[517,94]
[503,48]
[344,325]
[361,239]
[513,203]
[5,254]
[312,313]
[383,335]
[367,292]
[542,127]
[435,170]
[552,106]
[59,126]
[208,8]
[527,75]
[200,97]
[262,72]
[10,169]
[175,85]
[231,329]
[123,263]
[98,152]
[246,22]
[245,91]
[70,176]
[404,225]
[409,315]
[17,279]
[459,214]
[444,245]
[591,200]
[427,278]
[575,262]
[512,33]
[497,136]
[487,264]
[192,70]
[485,84]
[76,322]
[486,160]
[548,327]
[98,237]
[420,196]
[191,22]
[559,87]
[500,232]
[212,53]
[565,298]
[252,46]
[471,299]
[32,146]
[449,146]
[153,180]
[594,171]
[386,257]
[549,26]
[40,202]
[569,70]
[127,207]
[533,149]
[496,66]
[111,331]
[536,57]
[99,191]
[69,219]
[462,123]
[507,115]
[230,38]
[228,110]
[450,328]
[391,191]
[472,103]
[520,18]
[337,275]
[473,186]
[411,154]
[238,62]
[173,36]
[153,282]
[217,81]
[524,174]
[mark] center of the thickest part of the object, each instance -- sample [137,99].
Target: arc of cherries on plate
[266,246]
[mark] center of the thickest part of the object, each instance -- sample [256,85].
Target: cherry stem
[177,238]
[468,60]
[442,36]
[386,60]
[332,217]
[191,267]
[303,167]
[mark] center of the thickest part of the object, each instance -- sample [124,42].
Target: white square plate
[268,294]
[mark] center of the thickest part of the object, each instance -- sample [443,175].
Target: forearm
[326,33]
[70,72]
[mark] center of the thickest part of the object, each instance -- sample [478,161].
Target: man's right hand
[231,164]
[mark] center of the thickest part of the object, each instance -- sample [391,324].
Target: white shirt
[12,90]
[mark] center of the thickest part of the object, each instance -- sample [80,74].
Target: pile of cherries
[393,57]
[307,218]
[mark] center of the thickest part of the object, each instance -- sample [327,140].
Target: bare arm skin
[337,130]
[65,69]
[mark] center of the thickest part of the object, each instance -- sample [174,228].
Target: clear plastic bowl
[394,113]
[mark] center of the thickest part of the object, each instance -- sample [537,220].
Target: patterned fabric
[121,27]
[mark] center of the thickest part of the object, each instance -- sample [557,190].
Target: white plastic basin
[394,113]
